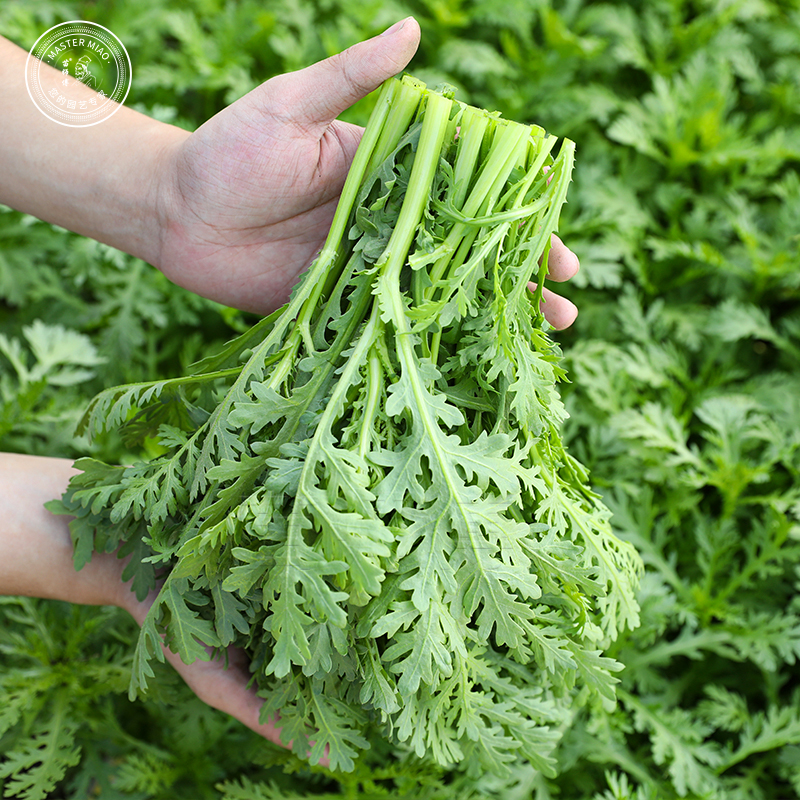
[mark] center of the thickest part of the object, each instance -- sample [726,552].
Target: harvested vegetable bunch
[368,490]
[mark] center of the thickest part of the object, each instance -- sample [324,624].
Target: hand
[221,686]
[248,198]
[234,211]
[36,560]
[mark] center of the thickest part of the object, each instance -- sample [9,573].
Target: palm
[230,237]
[223,681]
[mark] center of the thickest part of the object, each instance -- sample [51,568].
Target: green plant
[368,489]
[688,292]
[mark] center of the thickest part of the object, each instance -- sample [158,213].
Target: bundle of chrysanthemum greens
[368,491]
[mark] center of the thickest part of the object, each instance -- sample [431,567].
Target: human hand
[249,197]
[221,682]
[247,200]
[36,560]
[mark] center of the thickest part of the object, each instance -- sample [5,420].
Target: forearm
[35,545]
[102,181]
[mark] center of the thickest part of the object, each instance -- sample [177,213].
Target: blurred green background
[684,394]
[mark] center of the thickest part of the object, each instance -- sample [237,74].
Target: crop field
[682,390]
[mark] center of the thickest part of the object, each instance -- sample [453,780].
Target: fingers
[562,263]
[315,96]
[557,310]
[226,689]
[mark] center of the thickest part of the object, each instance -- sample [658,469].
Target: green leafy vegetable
[368,490]
[688,293]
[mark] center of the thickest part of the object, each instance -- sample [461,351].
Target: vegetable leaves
[376,502]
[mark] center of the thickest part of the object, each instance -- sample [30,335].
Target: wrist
[166,200]
[135,184]
[36,554]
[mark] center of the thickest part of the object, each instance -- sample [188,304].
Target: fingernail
[396,27]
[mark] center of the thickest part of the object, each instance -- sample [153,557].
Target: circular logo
[78,73]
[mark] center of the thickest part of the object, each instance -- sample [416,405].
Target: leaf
[677,744]
[228,616]
[296,565]
[187,633]
[34,770]
[148,647]
[425,652]
[336,733]
[254,566]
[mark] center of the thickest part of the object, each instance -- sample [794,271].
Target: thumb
[315,96]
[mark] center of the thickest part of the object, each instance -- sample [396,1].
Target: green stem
[322,272]
[474,123]
[508,140]
[404,101]
[437,114]
[374,387]
[561,172]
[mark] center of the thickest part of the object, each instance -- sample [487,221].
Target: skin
[36,561]
[235,212]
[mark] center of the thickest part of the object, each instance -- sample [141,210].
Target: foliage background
[684,361]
